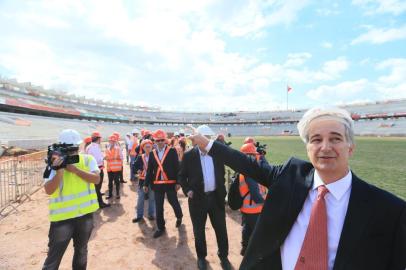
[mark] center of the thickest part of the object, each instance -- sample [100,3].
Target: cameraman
[72,201]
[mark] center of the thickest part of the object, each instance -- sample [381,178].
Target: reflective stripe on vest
[74,197]
[135,144]
[161,169]
[249,206]
[114,162]
[144,170]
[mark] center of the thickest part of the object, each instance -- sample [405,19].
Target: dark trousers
[60,233]
[98,188]
[248,222]
[216,212]
[120,176]
[114,177]
[159,206]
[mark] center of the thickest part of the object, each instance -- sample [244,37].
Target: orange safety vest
[160,170]
[144,171]
[248,205]
[114,162]
[135,144]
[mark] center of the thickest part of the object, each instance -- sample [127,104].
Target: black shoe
[118,197]
[151,218]
[225,263]
[178,222]
[123,181]
[104,205]
[201,264]
[158,233]
[135,220]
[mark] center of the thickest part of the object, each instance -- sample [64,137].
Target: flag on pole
[289,88]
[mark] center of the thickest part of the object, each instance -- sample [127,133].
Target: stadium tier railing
[20,177]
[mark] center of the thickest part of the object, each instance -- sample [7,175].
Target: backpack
[234,198]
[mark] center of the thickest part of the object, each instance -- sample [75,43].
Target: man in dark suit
[162,175]
[319,214]
[202,180]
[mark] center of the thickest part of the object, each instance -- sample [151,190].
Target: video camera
[65,152]
[261,148]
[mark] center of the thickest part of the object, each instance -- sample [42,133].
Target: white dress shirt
[160,156]
[336,205]
[94,149]
[208,172]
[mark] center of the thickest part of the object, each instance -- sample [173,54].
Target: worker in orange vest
[162,175]
[133,153]
[121,176]
[254,195]
[141,166]
[114,158]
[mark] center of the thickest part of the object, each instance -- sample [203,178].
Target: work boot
[201,264]
[159,233]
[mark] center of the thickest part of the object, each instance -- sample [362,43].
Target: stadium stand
[31,112]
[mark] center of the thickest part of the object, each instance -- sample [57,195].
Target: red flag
[289,88]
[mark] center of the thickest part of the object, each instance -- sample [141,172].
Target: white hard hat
[70,136]
[205,130]
[135,130]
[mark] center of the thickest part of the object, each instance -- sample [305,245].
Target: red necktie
[314,252]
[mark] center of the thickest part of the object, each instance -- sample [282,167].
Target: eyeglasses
[158,141]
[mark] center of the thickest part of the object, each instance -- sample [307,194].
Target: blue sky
[209,55]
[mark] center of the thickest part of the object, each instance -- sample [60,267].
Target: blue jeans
[60,233]
[132,172]
[140,203]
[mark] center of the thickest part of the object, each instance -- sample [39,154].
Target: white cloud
[339,93]
[326,45]
[297,59]
[371,7]
[379,35]
[392,85]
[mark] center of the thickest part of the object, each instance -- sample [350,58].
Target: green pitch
[379,161]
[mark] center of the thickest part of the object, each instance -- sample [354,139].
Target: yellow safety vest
[74,197]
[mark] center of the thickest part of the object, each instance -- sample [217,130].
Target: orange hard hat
[249,148]
[147,132]
[115,133]
[113,138]
[88,139]
[249,140]
[159,135]
[96,134]
[144,142]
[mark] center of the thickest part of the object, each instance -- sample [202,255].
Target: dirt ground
[116,242]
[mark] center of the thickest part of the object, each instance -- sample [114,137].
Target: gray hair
[332,113]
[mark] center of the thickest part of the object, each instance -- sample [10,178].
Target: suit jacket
[171,168]
[191,176]
[374,231]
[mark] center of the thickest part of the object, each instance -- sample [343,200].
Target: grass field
[379,161]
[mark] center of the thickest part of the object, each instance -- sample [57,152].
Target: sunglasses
[160,140]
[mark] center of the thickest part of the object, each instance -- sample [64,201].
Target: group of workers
[291,234]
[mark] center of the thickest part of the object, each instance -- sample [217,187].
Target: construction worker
[133,153]
[141,165]
[114,158]
[254,196]
[127,150]
[94,149]
[121,176]
[86,142]
[72,203]
[162,176]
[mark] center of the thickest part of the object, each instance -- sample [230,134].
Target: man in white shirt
[94,149]
[320,215]
[202,180]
